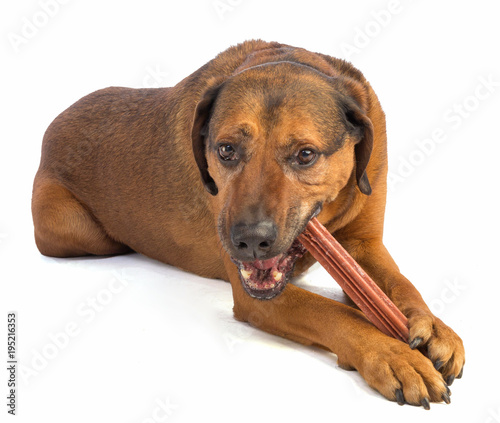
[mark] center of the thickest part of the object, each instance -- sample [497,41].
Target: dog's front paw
[444,347]
[402,374]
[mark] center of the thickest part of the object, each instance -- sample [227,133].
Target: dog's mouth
[265,279]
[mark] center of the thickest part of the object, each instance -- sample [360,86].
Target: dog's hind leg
[64,227]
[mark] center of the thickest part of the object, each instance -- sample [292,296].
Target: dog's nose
[253,241]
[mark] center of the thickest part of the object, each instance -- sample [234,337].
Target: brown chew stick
[372,301]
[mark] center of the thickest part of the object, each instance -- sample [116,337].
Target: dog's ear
[361,127]
[199,133]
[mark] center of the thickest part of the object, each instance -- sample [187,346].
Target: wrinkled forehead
[268,96]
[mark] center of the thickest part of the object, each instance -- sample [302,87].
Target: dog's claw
[447,389]
[446,398]
[438,364]
[450,379]
[460,374]
[426,404]
[400,399]
[415,342]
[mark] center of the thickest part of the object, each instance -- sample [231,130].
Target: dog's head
[273,144]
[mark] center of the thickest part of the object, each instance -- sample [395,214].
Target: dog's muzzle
[265,279]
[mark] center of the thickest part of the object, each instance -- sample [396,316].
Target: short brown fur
[118,173]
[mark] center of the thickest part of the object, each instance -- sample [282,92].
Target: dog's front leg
[444,346]
[388,365]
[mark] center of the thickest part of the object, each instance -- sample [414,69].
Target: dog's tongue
[266,264]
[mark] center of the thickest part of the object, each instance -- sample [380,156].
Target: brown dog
[279,135]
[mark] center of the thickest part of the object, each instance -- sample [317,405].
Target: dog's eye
[306,157]
[227,152]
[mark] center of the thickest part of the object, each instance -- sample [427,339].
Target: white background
[132,340]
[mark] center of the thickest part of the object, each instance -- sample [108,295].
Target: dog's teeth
[277,276]
[246,274]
